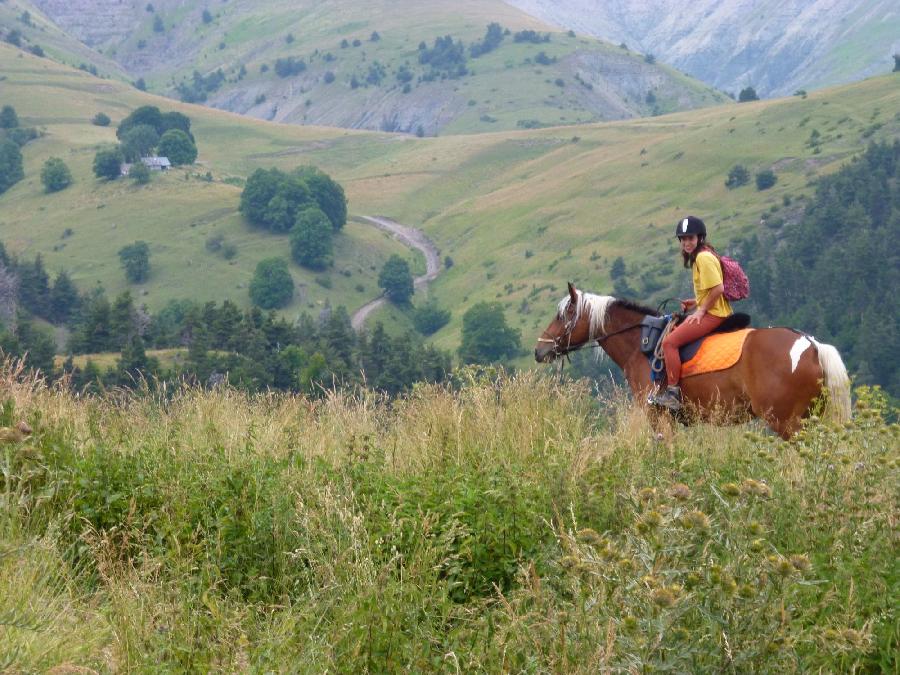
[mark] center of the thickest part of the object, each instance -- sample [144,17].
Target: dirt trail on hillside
[413,238]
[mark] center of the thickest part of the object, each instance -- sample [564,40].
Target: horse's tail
[837,381]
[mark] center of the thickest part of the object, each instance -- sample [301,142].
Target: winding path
[413,238]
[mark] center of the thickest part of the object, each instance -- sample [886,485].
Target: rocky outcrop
[776,46]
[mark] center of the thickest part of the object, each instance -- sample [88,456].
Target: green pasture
[519,212]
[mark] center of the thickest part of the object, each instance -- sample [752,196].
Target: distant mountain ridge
[347,68]
[776,46]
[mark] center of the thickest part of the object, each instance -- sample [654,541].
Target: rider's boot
[670,398]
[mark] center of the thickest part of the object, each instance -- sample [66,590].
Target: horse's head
[570,328]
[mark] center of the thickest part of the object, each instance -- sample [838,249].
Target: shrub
[108,163]
[429,318]
[8,117]
[272,286]
[100,119]
[135,259]
[396,280]
[311,238]
[486,337]
[747,94]
[55,175]
[737,176]
[139,173]
[765,179]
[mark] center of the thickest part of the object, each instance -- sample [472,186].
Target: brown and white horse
[778,378]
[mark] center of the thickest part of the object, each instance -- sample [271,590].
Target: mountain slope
[774,46]
[518,212]
[338,69]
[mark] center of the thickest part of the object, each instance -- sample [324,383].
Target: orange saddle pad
[718,352]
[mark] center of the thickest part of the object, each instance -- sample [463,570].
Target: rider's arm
[714,294]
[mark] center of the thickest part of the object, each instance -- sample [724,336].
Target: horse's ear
[573,294]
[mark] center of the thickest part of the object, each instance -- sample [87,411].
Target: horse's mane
[598,306]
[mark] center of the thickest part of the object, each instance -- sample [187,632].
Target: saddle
[653,326]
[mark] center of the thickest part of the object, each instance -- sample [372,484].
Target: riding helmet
[690,225]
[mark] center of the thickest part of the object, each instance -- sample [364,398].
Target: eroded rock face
[97,23]
[776,46]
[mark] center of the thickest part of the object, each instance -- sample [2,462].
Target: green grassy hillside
[518,212]
[365,72]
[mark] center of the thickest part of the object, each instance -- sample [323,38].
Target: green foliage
[11,167]
[135,259]
[396,280]
[140,173]
[272,199]
[139,141]
[153,117]
[365,535]
[486,337]
[747,94]
[492,39]
[64,298]
[737,176]
[327,193]
[429,318]
[55,175]
[272,286]
[178,147]
[446,59]
[765,179]
[289,66]
[833,273]
[531,36]
[617,271]
[206,15]
[199,87]
[896,63]
[108,163]
[101,119]
[311,238]
[158,25]
[8,117]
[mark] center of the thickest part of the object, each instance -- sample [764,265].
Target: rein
[590,344]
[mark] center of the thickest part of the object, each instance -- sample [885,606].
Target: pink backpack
[735,281]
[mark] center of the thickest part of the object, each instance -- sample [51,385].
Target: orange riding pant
[682,335]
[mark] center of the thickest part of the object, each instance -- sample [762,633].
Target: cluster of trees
[531,36]
[199,87]
[145,131]
[256,351]
[289,66]
[492,39]
[307,203]
[446,58]
[836,272]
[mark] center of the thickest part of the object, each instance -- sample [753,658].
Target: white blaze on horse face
[800,346]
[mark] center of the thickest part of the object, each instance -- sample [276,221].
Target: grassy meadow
[519,213]
[496,524]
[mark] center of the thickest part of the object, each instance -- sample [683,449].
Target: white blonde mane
[596,305]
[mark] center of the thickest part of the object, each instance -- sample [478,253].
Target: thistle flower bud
[731,490]
[589,536]
[801,562]
[681,492]
[663,597]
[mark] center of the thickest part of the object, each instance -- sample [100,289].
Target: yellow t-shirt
[707,271]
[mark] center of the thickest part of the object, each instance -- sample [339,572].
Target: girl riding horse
[779,376]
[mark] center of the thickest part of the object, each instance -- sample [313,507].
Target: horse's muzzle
[545,352]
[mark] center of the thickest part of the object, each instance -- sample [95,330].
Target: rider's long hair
[702,245]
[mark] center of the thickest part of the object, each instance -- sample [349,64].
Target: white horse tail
[837,381]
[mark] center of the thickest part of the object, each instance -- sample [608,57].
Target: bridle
[560,350]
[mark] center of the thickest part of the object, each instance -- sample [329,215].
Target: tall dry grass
[495,524]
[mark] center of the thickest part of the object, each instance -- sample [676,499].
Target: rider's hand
[687,305]
[696,316]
